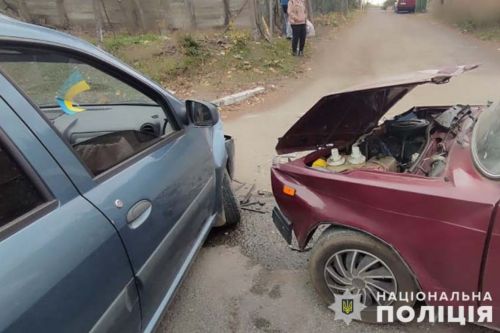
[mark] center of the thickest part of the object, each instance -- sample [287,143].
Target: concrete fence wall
[477,11]
[131,15]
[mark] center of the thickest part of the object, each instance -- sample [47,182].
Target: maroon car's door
[491,274]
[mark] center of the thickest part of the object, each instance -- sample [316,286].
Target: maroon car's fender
[438,226]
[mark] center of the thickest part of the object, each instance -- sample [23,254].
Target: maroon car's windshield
[486,142]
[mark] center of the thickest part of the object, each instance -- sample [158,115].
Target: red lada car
[405,6]
[410,204]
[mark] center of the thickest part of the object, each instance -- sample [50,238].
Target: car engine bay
[415,142]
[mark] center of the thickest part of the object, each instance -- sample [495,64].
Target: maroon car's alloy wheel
[360,272]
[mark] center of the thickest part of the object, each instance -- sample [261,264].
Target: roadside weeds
[214,64]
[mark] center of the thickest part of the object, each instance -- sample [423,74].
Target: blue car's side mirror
[202,113]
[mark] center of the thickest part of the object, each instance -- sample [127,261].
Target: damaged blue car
[109,186]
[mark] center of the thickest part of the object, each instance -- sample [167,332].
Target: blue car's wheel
[231,206]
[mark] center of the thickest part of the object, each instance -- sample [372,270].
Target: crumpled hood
[339,119]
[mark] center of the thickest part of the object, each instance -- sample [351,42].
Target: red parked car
[405,6]
[410,204]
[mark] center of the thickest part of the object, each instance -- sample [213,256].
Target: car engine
[401,139]
[413,142]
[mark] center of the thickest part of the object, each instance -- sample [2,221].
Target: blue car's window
[104,119]
[49,77]
[18,195]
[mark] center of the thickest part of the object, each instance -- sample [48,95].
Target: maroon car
[409,204]
[405,6]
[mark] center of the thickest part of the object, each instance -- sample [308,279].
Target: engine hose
[437,168]
[427,140]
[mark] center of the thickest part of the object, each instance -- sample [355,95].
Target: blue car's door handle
[139,213]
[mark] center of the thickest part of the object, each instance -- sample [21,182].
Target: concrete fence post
[191,12]
[63,14]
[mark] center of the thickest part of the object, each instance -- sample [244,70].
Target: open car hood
[339,119]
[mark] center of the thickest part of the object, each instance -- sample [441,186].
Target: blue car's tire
[231,206]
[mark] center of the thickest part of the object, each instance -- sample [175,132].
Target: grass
[217,61]
[334,19]
[484,31]
[481,19]
[230,58]
[115,43]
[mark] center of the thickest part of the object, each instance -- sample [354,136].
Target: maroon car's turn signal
[290,191]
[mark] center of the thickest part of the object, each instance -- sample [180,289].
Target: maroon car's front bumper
[283,225]
[294,215]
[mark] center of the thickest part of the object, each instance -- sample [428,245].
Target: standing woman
[297,16]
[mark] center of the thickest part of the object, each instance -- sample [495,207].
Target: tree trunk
[106,16]
[227,12]
[164,24]
[310,11]
[19,8]
[255,22]
[63,14]
[139,15]
[24,11]
[192,15]
[98,22]
[128,12]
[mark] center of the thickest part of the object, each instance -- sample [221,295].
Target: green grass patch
[233,55]
[485,31]
[114,43]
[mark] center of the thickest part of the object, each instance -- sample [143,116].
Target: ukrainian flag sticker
[73,86]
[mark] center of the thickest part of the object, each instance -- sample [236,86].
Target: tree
[192,15]
[139,14]
[164,12]
[133,14]
[98,21]
[19,8]
[227,12]
[63,15]
[310,10]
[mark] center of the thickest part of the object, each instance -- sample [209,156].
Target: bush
[328,20]
[239,39]
[481,18]
[190,46]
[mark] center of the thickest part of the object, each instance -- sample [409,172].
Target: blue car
[108,187]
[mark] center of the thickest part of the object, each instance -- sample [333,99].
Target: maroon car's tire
[334,244]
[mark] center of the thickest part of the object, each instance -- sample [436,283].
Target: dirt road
[247,280]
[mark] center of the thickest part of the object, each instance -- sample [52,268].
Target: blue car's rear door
[119,143]
[63,267]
